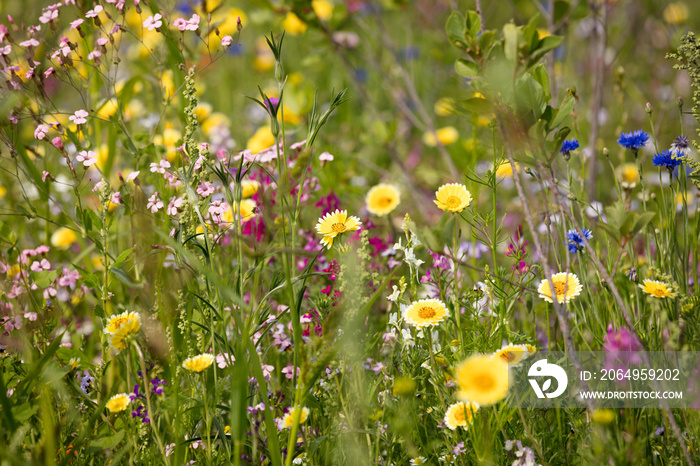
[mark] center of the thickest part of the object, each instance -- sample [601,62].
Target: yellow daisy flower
[198,363]
[657,289]
[323,9]
[482,379]
[676,13]
[249,188]
[460,414]
[247,211]
[120,339]
[261,140]
[445,106]
[116,321]
[382,199]
[512,355]
[567,286]
[505,170]
[63,238]
[425,313]
[333,224]
[628,174]
[446,136]
[118,403]
[453,197]
[288,418]
[293,25]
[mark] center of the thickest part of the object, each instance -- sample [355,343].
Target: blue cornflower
[575,239]
[666,159]
[634,140]
[568,146]
[681,145]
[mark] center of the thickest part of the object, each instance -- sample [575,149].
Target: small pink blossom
[226,41]
[174,204]
[193,23]
[31,316]
[154,204]
[205,189]
[180,24]
[153,22]
[326,157]
[48,15]
[29,43]
[160,167]
[40,131]
[45,175]
[87,157]
[94,12]
[132,176]
[267,371]
[6,50]
[222,360]
[102,41]
[43,249]
[38,266]
[80,117]
[76,24]
[94,54]
[48,72]
[289,371]
[57,142]
[116,198]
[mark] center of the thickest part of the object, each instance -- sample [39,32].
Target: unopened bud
[648,108]
[571,197]
[606,152]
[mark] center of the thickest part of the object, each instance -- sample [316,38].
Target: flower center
[459,414]
[484,382]
[658,291]
[338,227]
[453,202]
[560,287]
[508,356]
[384,201]
[426,312]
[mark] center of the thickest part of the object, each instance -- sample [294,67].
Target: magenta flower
[57,142]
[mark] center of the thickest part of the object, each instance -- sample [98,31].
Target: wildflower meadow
[349,232]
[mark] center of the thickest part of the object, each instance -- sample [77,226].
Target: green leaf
[45,278]
[542,76]
[466,69]
[123,277]
[478,105]
[530,96]
[641,222]
[565,109]
[122,257]
[24,412]
[456,30]
[510,37]
[546,45]
[105,443]
[473,24]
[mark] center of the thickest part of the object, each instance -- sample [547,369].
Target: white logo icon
[543,369]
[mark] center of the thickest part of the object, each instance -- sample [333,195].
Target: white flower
[394,296]
[410,258]
[406,335]
[154,203]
